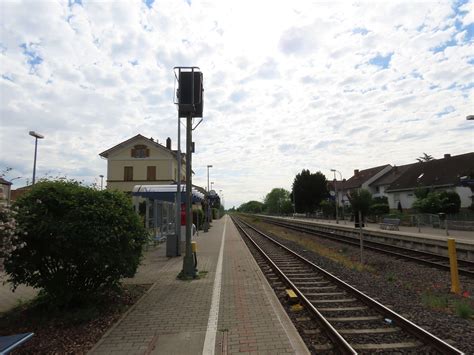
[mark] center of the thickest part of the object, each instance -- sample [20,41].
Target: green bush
[435,202]
[198,214]
[74,242]
[379,209]
[450,202]
[215,213]
[328,208]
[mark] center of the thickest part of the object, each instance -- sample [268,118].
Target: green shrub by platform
[198,213]
[74,242]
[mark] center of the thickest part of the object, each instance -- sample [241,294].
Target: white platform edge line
[211,332]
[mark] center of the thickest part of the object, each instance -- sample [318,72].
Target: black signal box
[190,94]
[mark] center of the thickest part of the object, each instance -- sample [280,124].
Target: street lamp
[470,117]
[337,197]
[101,181]
[208,202]
[37,136]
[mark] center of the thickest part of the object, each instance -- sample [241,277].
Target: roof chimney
[356,172]
[168,143]
[446,156]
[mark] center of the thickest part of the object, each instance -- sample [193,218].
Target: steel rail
[410,327]
[332,333]
[377,246]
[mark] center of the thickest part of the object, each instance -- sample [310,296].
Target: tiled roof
[391,176]
[124,143]
[362,176]
[439,172]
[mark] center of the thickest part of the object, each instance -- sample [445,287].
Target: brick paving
[172,317]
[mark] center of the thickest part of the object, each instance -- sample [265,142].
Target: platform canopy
[165,192]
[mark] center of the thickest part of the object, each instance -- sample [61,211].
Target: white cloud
[287,86]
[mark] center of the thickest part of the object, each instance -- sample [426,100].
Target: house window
[151,172]
[140,151]
[128,173]
[377,189]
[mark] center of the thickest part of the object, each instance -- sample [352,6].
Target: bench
[390,224]
[10,342]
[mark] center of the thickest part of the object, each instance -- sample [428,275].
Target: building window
[377,189]
[128,173]
[151,173]
[140,151]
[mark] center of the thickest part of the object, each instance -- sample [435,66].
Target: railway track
[352,322]
[465,267]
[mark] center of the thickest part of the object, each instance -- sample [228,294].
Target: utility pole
[188,262]
[178,191]
[189,97]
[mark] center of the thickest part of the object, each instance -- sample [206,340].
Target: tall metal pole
[34,162]
[208,209]
[337,200]
[178,191]
[188,263]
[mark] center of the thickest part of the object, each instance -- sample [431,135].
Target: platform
[466,237]
[231,309]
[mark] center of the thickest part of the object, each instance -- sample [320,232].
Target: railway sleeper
[354,319]
[341,300]
[343,309]
[387,346]
[369,330]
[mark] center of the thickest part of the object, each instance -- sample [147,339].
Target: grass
[435,301]
[314,246]
[391,277]
[463,309]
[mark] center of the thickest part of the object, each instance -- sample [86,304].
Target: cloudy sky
[288,85]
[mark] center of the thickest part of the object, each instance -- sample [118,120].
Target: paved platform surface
[231,309]
[425,232]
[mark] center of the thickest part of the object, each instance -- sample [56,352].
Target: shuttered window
[151,172]
[128,173]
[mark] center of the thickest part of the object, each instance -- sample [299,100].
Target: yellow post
[453,262]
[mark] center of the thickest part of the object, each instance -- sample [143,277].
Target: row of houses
[399,183]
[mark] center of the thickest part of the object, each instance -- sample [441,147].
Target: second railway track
[352,321]
[466,267]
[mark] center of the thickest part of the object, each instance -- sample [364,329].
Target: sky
[288,85]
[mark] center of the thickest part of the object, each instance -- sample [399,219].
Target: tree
[435,202]
[450,202]
[251,207]
[74,242]
[278,201]
[360,200]
[424,158]
[309,190]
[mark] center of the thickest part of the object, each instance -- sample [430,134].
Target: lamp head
[36,135]
[209,166]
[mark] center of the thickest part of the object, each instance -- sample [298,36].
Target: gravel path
[410,289]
